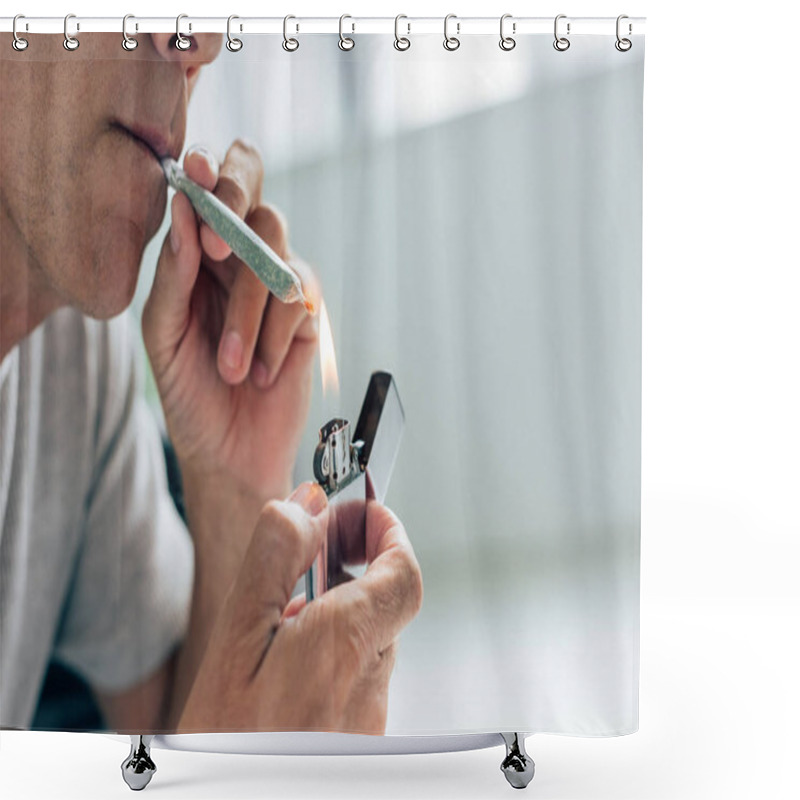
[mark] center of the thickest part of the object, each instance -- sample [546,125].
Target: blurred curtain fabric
[475,218]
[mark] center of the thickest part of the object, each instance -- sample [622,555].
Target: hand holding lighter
[354,468]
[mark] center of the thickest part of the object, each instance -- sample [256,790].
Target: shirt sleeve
[129,599]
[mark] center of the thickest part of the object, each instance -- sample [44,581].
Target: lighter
[352,469]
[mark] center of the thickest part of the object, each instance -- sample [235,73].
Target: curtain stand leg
[138,768]
[517,766]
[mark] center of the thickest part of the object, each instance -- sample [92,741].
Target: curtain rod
[462,26]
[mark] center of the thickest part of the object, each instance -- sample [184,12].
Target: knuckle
[272,226]
[233,193]
[409,580]
[270,512]
[276,527]
[246,146]
[416,590]
[249,150]
[278,218]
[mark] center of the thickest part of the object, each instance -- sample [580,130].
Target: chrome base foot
[138,768]
[517,766]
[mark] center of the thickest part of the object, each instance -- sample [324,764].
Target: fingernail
[232,350]
[259,373]
[311,497]
[174,239]
[199,150]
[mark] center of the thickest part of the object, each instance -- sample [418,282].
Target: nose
[203,49]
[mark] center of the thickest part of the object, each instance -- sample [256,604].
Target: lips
[156,140]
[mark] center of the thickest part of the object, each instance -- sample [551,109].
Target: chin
[115,264]
[110,301]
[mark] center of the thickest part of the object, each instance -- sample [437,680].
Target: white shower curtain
[475,218]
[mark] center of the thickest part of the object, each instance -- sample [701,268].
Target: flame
[327,355]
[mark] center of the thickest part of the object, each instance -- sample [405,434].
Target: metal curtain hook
[451,42]
[70,42]
[401,42]
[19,44]
[181,42]
[234,45]
[345,43]
[507,42]
[623,45]
[128,42]
[561,43]
[289,45]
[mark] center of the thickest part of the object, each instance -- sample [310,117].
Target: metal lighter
[352,468]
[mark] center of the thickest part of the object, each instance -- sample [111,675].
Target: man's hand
[232,363]
[278,665]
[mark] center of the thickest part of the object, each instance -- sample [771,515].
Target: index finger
[389,594]
[238,185]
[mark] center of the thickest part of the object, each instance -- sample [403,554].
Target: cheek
[120,210]
[85,199]
[92,252]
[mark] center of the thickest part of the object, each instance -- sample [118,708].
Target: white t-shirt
[96,566]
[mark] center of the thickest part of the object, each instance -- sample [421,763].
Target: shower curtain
[471,218]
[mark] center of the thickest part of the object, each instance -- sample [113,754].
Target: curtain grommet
[233,44]
[182,43]
[346,43]
[401,43]
[451,43]
[507,43]
[623,44]
[70,42]
[128,42]
[561,43]
[290,44]
[18,43]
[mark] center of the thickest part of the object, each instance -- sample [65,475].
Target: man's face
[80,189]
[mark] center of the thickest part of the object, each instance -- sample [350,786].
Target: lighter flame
[327,355]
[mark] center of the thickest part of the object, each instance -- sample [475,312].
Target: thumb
[287,538]
[294,607]
[167,311]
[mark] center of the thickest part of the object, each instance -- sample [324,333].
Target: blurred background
[475,220]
